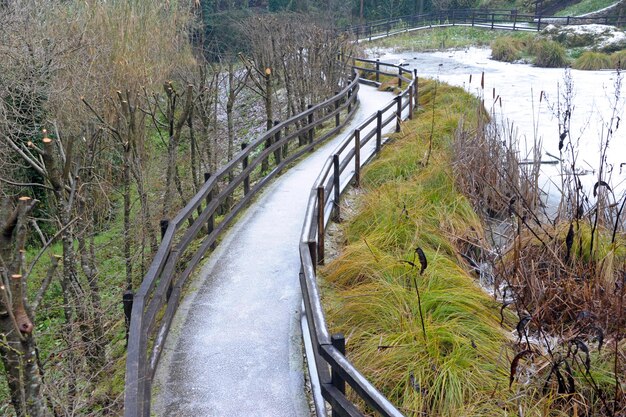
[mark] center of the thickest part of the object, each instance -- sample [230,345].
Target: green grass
[592,61]
[503,49]
[584,6]
[549,54]
[455,368]
[443,38]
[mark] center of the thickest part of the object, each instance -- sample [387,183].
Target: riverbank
[404,289]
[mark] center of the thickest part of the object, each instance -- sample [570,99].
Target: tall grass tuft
[549,54]
[593,61]
[504,49]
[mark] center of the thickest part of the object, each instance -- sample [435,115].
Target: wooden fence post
[321,203]
[379,130]
[337,121]
[127,302]
[398,112]
[209,198]
[349,101]
[265,162]
[336,189]
[377,70]
[357,158]
[164,223]
[244,165]
[400,76]
[339,342]
[415,85]
[410,103]
[313,252]
[279,150]
[311,129]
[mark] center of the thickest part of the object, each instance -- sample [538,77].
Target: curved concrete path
[235,347]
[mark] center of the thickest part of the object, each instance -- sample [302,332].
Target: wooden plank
[339,402]
[358,382]
[317,312]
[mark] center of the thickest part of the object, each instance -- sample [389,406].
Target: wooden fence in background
[485,18]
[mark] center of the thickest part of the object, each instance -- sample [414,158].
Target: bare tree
[18,349]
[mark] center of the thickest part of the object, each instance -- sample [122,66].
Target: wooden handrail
[325,193]
[162,285]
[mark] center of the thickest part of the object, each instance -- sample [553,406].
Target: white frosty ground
[520,87]
[235,344]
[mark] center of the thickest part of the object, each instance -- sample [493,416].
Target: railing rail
[225,193]
[489,18]
[342,167]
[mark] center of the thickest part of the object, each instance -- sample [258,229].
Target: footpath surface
[235,347]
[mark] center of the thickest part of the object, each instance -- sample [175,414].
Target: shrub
[591,61]
[618,59]
[505,49]
[549,54]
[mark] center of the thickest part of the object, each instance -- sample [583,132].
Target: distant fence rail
[225,193]
[328,358]
[485,18]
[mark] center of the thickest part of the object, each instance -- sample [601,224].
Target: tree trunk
[17,345]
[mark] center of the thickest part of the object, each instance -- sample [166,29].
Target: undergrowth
[562,270]
[403,289]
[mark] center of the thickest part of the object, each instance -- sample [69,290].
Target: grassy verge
[584,6]
[442,38]
[433,341]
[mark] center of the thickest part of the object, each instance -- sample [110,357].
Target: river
[520,86]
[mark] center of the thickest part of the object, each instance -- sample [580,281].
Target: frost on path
[235,344]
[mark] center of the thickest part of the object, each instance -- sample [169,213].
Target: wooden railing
[195,229]
[485,18]
[327,357]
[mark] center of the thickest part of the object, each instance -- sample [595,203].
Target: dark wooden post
[321,203]
[337,121]
[400,76]
[514,20]
[127,302]
[339,342]
[311,128]
[398,112]
[539,23]
[410,103]
[244,165]
[415,85]
[209,198]
[473,16]
[349,101]
[278,151]
[379,130]
[313,251]
[357,157]
[377,70]
[164,223]
[336,189]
